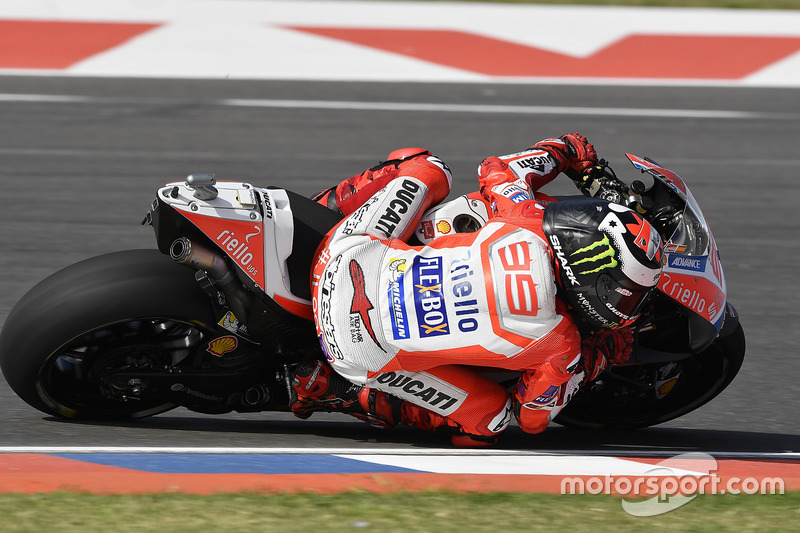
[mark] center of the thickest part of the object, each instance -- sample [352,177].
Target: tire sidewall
[90,295]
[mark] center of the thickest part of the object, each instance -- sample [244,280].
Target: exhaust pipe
[195,256]
[191,254]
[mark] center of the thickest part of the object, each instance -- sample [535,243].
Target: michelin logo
[397,301]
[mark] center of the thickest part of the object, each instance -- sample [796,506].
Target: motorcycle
[217,319]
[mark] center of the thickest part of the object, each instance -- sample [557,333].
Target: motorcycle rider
[402,327]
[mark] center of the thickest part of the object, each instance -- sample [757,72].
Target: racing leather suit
[416,322]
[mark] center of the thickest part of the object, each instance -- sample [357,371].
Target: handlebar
[600,181]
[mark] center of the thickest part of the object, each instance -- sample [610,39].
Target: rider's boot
[421,418]
[317,387]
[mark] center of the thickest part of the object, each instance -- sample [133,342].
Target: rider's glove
[593,362]
[614,346]
[573,153]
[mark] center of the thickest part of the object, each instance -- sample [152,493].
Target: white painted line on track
[405,107]
[551,465]
[265,450]
[490,109]
[391,451]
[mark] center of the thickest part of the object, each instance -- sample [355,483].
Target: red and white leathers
[411,321]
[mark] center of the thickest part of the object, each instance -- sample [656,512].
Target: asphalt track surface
[77,175]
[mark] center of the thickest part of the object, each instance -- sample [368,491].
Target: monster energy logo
[604,256]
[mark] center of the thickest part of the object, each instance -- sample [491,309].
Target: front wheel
[66,342]
[637,396]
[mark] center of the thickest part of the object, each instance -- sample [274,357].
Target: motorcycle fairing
[692,274]
[232,221]
[279,234]
[254,227]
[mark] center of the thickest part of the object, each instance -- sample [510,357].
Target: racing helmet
[607,259]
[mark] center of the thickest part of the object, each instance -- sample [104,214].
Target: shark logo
[361,304]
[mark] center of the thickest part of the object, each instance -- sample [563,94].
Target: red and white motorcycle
[218,317]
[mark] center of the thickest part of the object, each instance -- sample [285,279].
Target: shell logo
[666,387]
[443,226]
[222,345]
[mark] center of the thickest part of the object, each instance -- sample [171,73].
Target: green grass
[404,512]
[741,4]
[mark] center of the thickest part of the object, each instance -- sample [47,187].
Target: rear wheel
[65,344]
